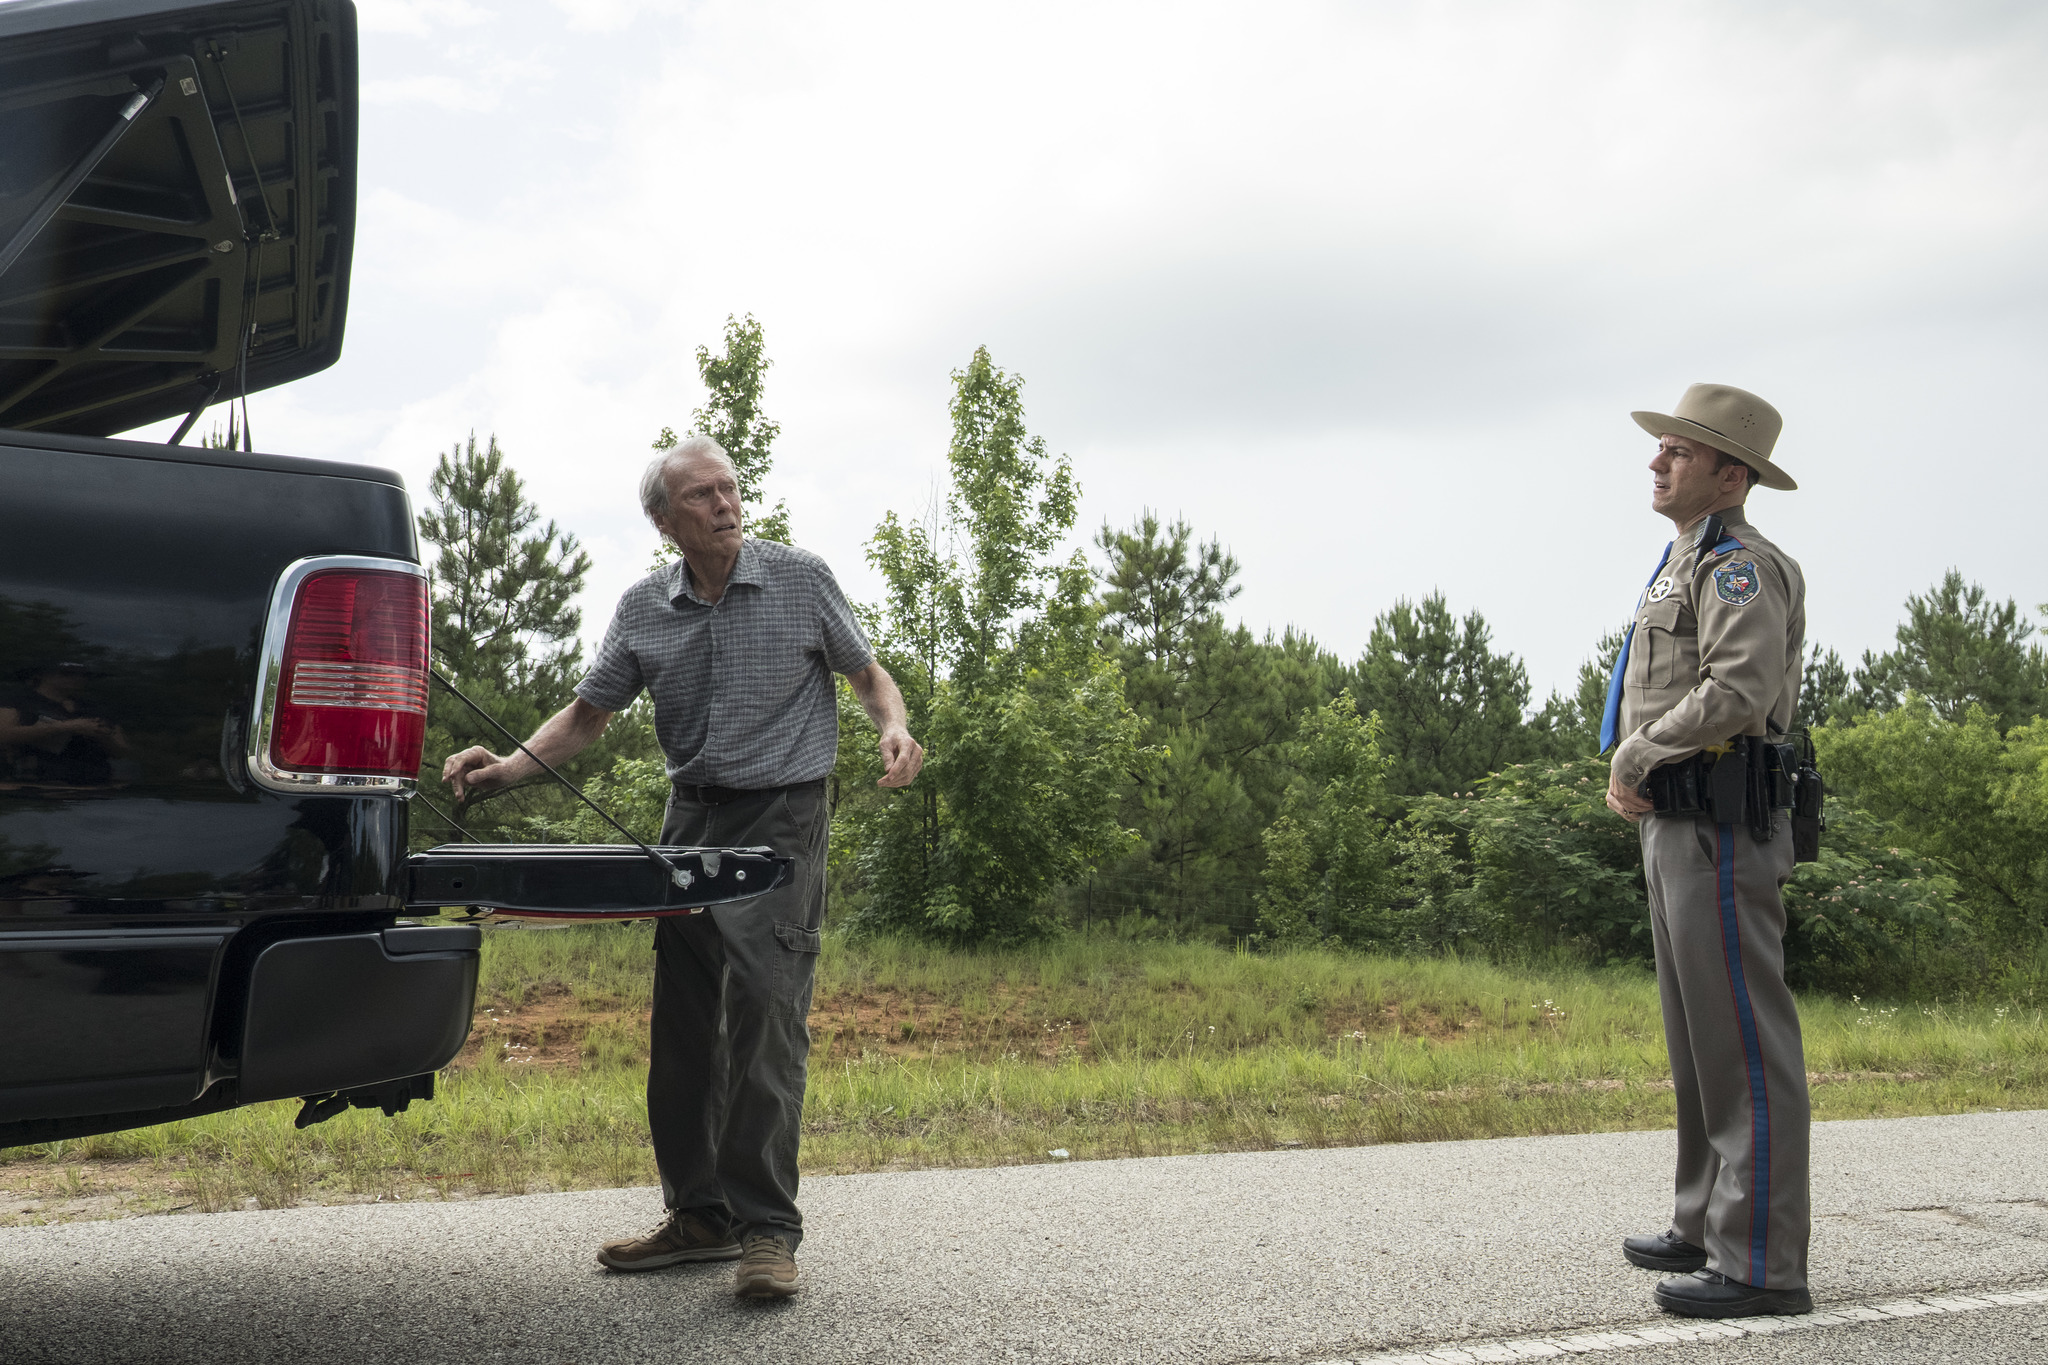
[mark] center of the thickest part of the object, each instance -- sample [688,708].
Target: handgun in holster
[1747,781]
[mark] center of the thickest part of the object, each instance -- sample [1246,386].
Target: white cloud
[417,18]
[469,80]
[1367,290]
[610,16]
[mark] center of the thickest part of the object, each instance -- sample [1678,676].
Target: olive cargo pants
[732,991]
[1737,1061]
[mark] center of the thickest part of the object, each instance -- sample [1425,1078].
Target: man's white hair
[654,483]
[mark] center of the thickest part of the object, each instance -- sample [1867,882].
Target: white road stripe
[1670,1330]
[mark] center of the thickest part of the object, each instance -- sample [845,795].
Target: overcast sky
[1366,290]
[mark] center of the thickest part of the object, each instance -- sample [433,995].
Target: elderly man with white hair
[737,643]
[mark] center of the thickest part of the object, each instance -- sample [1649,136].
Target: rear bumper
[354,1009]
[336,1012]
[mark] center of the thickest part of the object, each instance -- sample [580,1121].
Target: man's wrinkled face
[1684,482]
[703,516]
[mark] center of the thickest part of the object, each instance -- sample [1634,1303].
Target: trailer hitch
[390,1096]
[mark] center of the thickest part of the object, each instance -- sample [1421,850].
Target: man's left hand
[902,757]
[1626,801]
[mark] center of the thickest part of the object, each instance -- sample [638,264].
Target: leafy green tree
[1248,693]
[635,790]
[1011,504]
[1451,709]
[1539,861]
[1196,821]
[1870,916]
[1534,859]
[1329,859]
[1961,792]
[1958,649]
[993,640]
[733,381]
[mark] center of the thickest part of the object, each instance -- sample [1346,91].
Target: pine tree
[503,598]
[1826,690]
[1569,726]
[1219,706]
[1958,649]
[1450,707]
[505,625]
[1158,589]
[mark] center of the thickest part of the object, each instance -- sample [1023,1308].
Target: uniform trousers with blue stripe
[1737,1061]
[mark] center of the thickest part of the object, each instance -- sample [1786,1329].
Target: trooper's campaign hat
[1730,420]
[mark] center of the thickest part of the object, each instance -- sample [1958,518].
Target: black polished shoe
[1709,1294]
[1666,1251]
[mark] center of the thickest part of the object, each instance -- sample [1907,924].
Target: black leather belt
[1746,784]
[705,795]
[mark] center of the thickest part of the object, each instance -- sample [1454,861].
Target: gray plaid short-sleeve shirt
[743,691]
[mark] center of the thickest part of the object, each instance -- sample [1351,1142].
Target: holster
[1808,792]
[1747,782]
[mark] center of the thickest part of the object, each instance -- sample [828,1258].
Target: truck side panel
[148,580]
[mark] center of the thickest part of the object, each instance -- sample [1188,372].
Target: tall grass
[1092,1046]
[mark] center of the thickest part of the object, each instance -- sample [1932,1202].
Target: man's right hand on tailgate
[473,771]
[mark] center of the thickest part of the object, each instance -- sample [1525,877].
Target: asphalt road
[1298,1255]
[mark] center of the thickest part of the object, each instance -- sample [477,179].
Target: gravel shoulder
[1299,1255]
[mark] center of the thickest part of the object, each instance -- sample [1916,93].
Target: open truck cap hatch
[588,881]
[177,204]
[177,217]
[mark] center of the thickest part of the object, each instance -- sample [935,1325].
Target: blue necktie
[1610,719]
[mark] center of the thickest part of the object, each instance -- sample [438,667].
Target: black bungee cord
[679,876]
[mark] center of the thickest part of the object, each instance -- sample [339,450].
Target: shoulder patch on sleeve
[1736,582]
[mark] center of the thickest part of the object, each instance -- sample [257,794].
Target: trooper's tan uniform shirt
[1716,651]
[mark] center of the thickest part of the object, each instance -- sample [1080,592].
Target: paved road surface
[1298,1256]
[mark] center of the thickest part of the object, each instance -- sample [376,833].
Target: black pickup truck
[214,664]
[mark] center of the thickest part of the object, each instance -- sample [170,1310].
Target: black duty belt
[1746,782]
[705,795]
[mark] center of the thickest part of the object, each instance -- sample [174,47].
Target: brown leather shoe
[675,1239]
[767,1270]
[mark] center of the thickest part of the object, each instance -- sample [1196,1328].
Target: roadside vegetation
[1095,1045]
[1105,745]
[1166,885]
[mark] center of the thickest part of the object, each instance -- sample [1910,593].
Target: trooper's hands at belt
[1626,802]
[902,758]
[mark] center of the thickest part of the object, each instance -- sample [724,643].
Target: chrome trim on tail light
[367,685]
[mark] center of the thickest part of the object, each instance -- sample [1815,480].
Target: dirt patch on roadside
[550,1029]
[910,1024]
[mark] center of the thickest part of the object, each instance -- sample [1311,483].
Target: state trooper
[1707,677]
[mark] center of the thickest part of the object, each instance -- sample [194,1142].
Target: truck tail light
[351,685]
